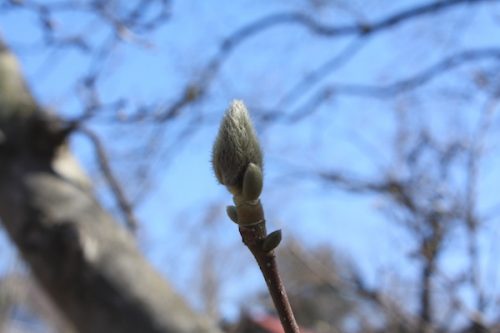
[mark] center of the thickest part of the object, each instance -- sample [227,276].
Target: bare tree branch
[420,78]
[340,59]
[385,91]
[196,89]
[364,29]
[89,266]
[116,188]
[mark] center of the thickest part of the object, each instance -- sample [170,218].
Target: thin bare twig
[321,72]
[254,237]
[358,29]
[196,89]
[381,91]
[114,184]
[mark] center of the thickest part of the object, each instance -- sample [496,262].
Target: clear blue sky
[353,134]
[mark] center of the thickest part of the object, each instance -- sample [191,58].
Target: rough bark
[88,264]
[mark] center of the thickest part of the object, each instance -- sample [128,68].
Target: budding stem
[253,237]
[237,163]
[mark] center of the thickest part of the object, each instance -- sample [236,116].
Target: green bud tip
[236,146]
[232,213]
[252,182]
[272,241]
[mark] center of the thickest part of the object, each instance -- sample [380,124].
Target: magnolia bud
[236,146]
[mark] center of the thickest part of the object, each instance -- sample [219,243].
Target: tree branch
[384,91]
[420,78]
[114,184]
[271,21]
[89,266]
[230,43]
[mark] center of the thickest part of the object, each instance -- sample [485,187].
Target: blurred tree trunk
[88,264]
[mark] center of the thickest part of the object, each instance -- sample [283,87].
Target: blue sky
[347,133]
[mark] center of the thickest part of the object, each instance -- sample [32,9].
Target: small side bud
[252,182]
[272,241]
[232,213]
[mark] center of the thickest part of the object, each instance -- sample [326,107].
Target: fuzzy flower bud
[236,146]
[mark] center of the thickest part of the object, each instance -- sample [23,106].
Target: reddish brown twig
[254,236]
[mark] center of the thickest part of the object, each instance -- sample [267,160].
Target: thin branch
[338,60]
[472,221]
[263,24]
[114,184]
[254,237]
[420,78]
[230,43]
[384,91]
[411,82]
